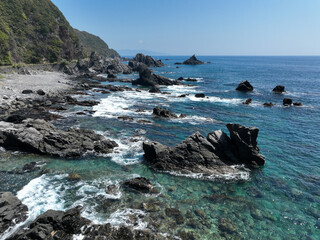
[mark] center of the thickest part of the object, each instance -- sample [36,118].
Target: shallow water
[279,201]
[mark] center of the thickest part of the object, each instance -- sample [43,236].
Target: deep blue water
[279,201]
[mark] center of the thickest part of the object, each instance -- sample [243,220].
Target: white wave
[215,99]
[78,237]
[128,217]
[193,120]
[241,173]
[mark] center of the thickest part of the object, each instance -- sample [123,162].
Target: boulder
[200,95]
[191,80]
[193,61]
[248,101]
[180,78]
[154,89]
[279,89]
[39,136]
[244,86]
[268,104]
[27,91]
[297,104]
[214,154]
[160,112]
[148,60]
[111,76]
[287,102]
[41,92]
[12,211]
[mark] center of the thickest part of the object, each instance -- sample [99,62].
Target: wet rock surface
[148,60]
[214,154]
[161,112]
[279,89]
[12,211]
[140,184]
[39,136]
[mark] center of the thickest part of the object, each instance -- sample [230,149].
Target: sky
[202,27]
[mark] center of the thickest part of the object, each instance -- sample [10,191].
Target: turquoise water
[279,201]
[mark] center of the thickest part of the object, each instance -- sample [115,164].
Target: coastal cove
[280,200]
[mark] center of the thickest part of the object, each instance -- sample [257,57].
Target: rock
[33,166]
[180,78]
[191,80]
[244,86]
[193,61]
[147,78]
[111,76]
[176,214]
[41,92]
[248,101]
[287,102]
[297,104]
[12,211]
[148,60]
[268,104]
[279,89]
[140,184]
[183,95]
[5,97]
[74,177]
[39,136]
[200,95]
[226,226]
[212,155]
[154,89]
[81,113]
[182,115]
[112,189]
[27,91]
[125,118]
[160,112]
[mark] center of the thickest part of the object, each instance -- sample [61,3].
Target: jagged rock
[244,86]
[160,112]
[200,95]
[148,60]
[193,61]
[248,101]
[279,89]
[140,184]
[212,155]
[287,102]
[12,211]
[147,78]
[27,91]
[39,136]
[268,104]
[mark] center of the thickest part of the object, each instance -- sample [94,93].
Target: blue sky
[203,27]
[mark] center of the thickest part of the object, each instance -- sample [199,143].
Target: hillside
[33,31]
[92,43]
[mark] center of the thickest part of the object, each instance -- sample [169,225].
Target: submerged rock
[193,61]
[297,104]
[39,136]
[248,101]
[268,104]
[212,155]
[12,211]
[160,112]
[244,86]
[140,184]
[154,89]
[200,95]
[279,89]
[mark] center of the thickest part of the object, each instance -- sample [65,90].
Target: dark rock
[41,92]
[297,104]
[31,167]
[125,118]
[200,95]
[226,226]
[191,80]
[268,104]
[12,211]
[148,60]
[160,112]
[27,91]
[39,136]
[140,184]
[193,61]
[182,115]
[74,177]
[154,89]
[279,89]
[248,101]
[112,189]
[81,113]
[183,95]
[212,155]
[180,78]
[287,102]
[244,87]
[112,76]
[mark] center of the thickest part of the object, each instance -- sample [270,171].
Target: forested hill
[35,31]
[92,43]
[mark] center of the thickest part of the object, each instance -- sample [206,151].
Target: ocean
[278,201]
